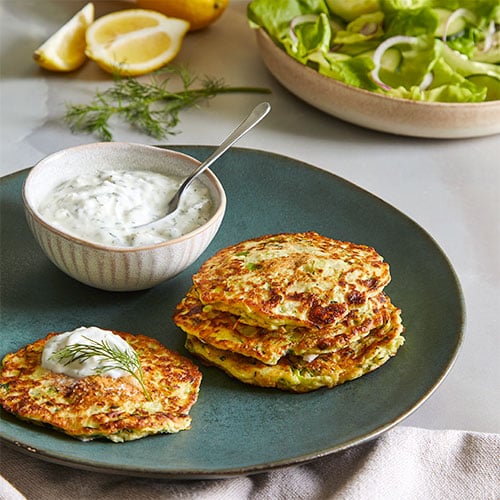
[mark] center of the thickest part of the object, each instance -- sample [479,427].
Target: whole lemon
[199,13]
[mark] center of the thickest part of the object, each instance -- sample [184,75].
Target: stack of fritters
[295,311]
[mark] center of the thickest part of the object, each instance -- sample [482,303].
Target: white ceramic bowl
[117,268]
[377,111]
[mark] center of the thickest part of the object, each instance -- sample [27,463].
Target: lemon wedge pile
[65,49]
[128,42]
[199,13]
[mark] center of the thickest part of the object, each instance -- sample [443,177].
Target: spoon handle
[258,113]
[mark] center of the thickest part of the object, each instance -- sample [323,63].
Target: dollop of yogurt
[106,206]
[91,366]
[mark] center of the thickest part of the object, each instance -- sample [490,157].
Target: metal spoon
[258,113]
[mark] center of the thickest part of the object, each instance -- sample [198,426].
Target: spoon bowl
[104,265]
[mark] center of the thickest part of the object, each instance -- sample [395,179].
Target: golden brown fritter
[293,373]
[102,406]
[296,279]
[225,331]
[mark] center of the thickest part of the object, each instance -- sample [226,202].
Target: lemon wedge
[134,41]
[65,49]
[199,13]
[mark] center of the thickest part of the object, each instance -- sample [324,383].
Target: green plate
[240,429]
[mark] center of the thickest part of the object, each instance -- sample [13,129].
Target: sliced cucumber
[351,9]
[466,67]
[391,60]
[490,82]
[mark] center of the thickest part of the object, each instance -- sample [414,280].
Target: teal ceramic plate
[240,429]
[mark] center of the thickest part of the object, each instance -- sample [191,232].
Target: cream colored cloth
[404,463]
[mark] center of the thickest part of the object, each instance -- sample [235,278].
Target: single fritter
[294,373]
[98,405]
[296,279]
[225,330]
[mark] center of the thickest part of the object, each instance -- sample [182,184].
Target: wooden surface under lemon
[65,49]
[134,41]
[199,13]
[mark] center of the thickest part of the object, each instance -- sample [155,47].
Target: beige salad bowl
[377,111]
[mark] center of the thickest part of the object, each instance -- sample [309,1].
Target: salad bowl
[427,69]
[378,111]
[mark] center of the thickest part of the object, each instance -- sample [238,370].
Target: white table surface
[449,187]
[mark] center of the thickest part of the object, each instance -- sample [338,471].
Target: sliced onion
[488,41]
[377,56]
[426,82]
[465,13]
[306,18]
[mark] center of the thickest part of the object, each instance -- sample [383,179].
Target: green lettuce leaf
[275,16]
[311,37]
[417,60]
[410,21]
[445,93]
[353,71]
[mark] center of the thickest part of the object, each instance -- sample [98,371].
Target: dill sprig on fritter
[127,361]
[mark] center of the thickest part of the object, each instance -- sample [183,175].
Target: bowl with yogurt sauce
[89,208]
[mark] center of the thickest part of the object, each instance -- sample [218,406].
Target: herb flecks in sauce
[105,207]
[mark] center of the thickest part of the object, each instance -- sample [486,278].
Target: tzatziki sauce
[93,365]
[106,206]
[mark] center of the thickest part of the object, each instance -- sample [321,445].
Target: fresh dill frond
[149,106]
[127,361]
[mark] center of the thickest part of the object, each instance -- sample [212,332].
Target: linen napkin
[403,463]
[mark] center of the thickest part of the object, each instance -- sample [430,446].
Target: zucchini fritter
[225,331]
[293,373]
[98,405]
[297,279]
